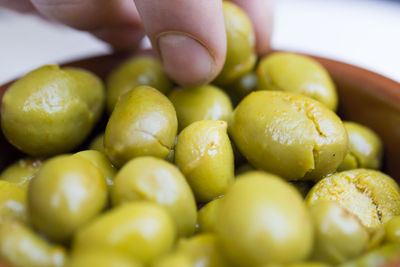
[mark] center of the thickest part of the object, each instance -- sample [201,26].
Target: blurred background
[365,33]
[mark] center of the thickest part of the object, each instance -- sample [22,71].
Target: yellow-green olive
[205,102]
[45,112]
[240,53]
[262,220]
[207,216]
[101,162]
[370,195]
[339,234]
[12,202]
[143,123]
[204,155]
[66,193]
[139,230]
[288,134]
[307,264]
[21,247]
[22,171]
[149,178]
[175,259]
[298,74]
[365,148]
[379,257]
[98,143]
[392,230]
[101,258]
[144,70]
[242,86]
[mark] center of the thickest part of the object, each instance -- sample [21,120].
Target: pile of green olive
[256,170]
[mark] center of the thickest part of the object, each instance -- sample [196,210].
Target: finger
[116,21]
[22,6]
[189,36]
[261,15]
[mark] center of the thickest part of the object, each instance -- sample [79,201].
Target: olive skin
[392,230]
[143,70]
[23,248]
[65,194]
[289,134]
[22,171]
[98,143]
[205,102]
[174,259]
[101,162]
[242,86]
[45,113]
[269,220]
[101,258]
[382,256]
[240,52]
[295,73]
[143,231]
[143,123]
[153,179]
[339,235]
[12,202]
[204,155]
[370,195]
[207,216]
[366,148]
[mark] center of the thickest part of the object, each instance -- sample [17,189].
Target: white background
[361,32]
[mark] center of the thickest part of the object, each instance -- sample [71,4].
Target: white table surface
[361,32]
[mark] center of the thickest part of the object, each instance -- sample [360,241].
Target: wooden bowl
[364,96]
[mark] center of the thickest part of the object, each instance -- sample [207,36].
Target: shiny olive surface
[366,148]
[101,162]
[143,123]
[98,143]
[392,230]
[339,234]
[101,258]
[240,53]
[242,86]
[45,113]
[144,70]
[12,202]
[207,216]
[65,194]
[153,179]
[370,195]
[23,248]
[205,102]
[298,74]
[289,134]
[263,220]
[140,230]
[22,171]
[204,155]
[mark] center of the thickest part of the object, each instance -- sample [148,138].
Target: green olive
[144,70]
[207,216]
[204,155]
[98,143]
[205,102]
[101,258]
[365,148]
[12,202]
[242,86]
[101,162]
[143,123]
[21,247]
[149,178]
[339,235]
[298,74]
[143,231]
[240,53]
[392,230]
[370,195]
[175,259]
[378,257]
[307,264]
[262,220]
[45,112]
[66,193]
[22,171]
[92,90]
[288,134]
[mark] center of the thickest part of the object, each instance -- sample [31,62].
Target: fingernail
[185,59]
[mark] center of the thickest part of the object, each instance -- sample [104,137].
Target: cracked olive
[143,123]
[12,202]
[21,172]
[288,134]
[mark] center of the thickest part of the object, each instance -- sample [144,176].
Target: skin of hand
[189,36]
